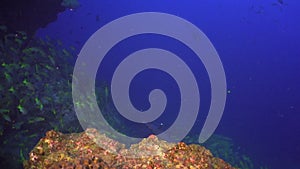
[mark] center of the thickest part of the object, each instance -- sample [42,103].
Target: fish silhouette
[155,127]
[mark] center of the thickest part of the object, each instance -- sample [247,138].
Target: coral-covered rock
[82,150]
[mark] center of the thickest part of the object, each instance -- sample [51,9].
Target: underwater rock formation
[80,150]
[30,15]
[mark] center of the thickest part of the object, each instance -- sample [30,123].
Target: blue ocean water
[258,44]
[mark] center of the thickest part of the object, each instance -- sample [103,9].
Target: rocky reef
[30,15]
[82,150]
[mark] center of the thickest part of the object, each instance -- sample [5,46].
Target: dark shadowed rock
[29,15]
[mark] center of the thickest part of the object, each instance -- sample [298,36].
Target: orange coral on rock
[80,150]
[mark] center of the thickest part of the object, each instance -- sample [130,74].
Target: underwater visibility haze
[221,74]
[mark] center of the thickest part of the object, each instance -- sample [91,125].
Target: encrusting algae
[79,150]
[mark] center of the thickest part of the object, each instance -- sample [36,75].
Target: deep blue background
[258,43]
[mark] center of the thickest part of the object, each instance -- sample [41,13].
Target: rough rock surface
[80,150]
